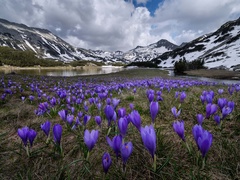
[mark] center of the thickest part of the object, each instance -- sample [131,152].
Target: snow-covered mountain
[47,45]
[218,49]
[147,53]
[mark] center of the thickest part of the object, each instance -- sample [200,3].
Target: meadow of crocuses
[112,127]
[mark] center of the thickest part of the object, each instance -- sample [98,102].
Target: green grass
[174,161]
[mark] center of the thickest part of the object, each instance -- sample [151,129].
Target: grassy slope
[173,159]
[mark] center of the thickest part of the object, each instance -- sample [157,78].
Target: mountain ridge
[220,48]
[47,45]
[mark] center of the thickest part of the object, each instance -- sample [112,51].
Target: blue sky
[112,25]
[151,5]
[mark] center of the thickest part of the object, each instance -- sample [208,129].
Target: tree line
[184,65]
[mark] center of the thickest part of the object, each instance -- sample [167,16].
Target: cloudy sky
[122,24]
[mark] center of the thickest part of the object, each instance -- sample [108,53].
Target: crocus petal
[31,136]
[46,127]
[23,134]
[106,161]
[57,133]
[126,151]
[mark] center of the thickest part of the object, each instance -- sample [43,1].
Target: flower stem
[87,156]
[154,163]
[203,163]
[27,151]
[188,148]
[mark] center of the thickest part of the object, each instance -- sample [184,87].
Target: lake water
[220,81]
[99,70]
[65,71]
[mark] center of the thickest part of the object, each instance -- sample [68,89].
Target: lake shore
[214,73]
[209,73]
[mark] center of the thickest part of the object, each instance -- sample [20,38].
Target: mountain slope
[147,53]
[47,45]
[218,49]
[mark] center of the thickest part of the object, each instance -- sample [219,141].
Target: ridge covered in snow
[220,49]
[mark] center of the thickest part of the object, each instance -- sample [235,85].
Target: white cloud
[192,19]
[118,25]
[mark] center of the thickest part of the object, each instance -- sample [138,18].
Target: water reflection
[64,71]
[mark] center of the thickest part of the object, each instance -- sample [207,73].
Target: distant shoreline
[209,73]
[7,67]
[214,73]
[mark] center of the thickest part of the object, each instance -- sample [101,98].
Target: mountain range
[219,49]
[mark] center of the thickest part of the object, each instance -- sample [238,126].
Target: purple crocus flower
[222,102]
[115,144]
[226,111]
[53,101]
[217,119]
[154,110]
[99,106]
[109,112]
[86,119]
[231,90]
[209,98]
[131,106]
[90,138]
[121,112]
[70,119]
[231,105]
[150,97]
[182,96]
[178,127]
[134,90]
[175,112]
[203,98]
[126,151]
[197,131]
[200,119]
[220,91]
[31,98]
[72,110]
[149,139]
[115,102]
[204,142]
[106,161]
[31,136]
[46,127]
[86,108]
[135,119]
[122,126]
[176,94]
[114,117]
[80,114]
[57,133]
[63,114]
[159,98]
[108,101]
[98,120]
[211,109]
[23,134]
